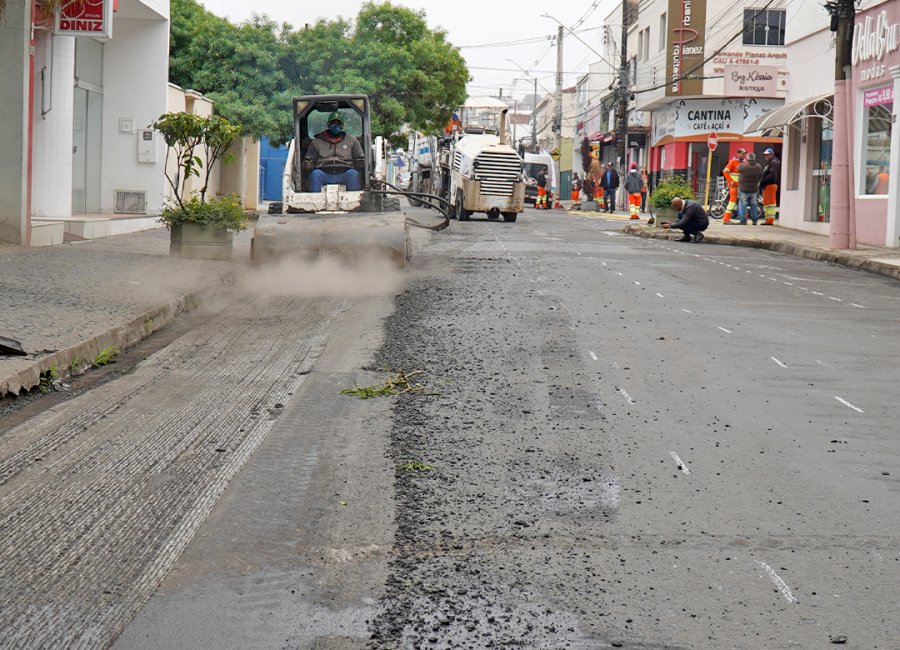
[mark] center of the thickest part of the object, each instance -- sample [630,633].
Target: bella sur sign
[873,39]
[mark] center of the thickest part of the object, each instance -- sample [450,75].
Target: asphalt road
[633,443]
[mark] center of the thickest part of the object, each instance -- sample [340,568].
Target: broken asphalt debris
[417,466]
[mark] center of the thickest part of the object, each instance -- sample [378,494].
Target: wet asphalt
[626,443]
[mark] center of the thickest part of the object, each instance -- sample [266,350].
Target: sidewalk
[66,303]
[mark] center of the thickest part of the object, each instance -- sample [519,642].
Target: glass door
[79,151]
[821,174]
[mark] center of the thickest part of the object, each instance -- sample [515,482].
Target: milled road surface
[636,444]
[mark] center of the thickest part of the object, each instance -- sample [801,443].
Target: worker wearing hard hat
[732,178]
[334,157]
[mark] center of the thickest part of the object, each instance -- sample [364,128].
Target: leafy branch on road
[417,466]
[397,384]
[106,357]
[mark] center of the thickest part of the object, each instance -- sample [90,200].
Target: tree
[410,72]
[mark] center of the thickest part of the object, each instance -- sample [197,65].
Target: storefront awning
[785,115]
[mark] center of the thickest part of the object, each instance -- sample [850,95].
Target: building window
[645,52]
[764,26]
[662,31]
[641,44]
[878,105]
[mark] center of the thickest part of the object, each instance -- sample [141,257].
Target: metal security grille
[457,160]
[498,172]
[131,202]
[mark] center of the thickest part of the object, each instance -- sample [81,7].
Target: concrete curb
[120,336]
[831,256]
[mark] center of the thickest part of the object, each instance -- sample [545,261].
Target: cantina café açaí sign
[873,39]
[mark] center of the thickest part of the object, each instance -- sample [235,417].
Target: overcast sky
[475,26]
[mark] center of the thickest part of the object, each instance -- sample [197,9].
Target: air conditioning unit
[131,202]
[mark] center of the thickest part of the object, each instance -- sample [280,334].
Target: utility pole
[557,120]
[534,147]
[842,232]
[623,90]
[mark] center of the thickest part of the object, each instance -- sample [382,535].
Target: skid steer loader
[335,221]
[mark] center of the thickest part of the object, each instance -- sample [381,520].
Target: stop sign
[712,142]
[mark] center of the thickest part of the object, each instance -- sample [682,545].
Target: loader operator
[334,158]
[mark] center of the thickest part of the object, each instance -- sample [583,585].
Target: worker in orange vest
[771,177]
[731,179]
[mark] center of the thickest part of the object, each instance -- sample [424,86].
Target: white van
[533,164]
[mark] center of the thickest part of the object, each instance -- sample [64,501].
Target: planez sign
[84,18]
[685,47]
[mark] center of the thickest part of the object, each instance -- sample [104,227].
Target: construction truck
[471,165]
[351,224]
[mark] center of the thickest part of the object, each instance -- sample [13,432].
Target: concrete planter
[201,242]
[664,215]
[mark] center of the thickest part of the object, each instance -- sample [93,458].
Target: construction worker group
[745,179]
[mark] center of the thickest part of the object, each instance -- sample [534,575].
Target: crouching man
[692,219]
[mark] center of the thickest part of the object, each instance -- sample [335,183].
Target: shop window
[764,26]
[878,105]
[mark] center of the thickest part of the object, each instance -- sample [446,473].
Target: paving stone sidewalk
[69,302]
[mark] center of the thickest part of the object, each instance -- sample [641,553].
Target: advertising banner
[751,81]
[685,47]
[878,97]
[84,18]
[693,119]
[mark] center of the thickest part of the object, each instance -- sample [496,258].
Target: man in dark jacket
[768,185]
[334,158]
[748,189]
[692,219]
[609,181]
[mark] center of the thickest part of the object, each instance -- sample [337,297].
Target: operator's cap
[634,165]
[609,164]
[769,152]
[335,117]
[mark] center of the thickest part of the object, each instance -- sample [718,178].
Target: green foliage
[49,379]
[224,212]
[106,357]
[252,70]
[74,366]
[187,134]
[668,189]
[417,466]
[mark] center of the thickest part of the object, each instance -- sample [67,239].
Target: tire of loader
[461,212]
[510,217]
[391,204]
[276,207]
[493,214]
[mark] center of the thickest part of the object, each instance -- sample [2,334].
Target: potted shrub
[199,228]
[662,196]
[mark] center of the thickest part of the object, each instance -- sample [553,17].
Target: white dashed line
[660,295]
[627,397]
[790,284]
[817,293]
[783,365]
[618,273]
[637,283]
[835,299]
[853,304]
[681,464]
[822,363]
[848,404]
[593,356]
[724,330]
[781,584]
[686,311]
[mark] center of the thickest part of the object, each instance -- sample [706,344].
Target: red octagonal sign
[712,142]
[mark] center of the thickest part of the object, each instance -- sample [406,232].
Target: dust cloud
[324,277]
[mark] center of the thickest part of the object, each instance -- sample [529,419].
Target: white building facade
[74,131]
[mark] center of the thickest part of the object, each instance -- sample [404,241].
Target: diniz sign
[686,46]
[84,18]
[874,38]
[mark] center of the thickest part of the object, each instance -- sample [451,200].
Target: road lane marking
[681,464]
[848,404]
[783,365]
[686,311]
[660,295]
[627,397]
[637,283]
[593,356]
[790,284]
[817,293]
[619,273]
[853,304]
[835,299]
[781,584]
[822,363]
[724,330]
